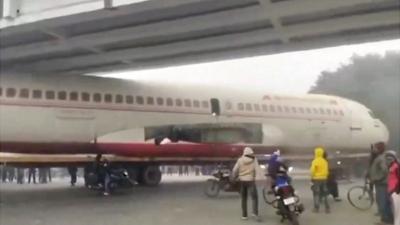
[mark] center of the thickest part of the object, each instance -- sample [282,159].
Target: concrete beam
[274,17]
[177,27]
[64,13]
[248,51]
[223,42]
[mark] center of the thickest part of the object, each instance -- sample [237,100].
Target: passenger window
[129,99]
[240,106]
[341,113]
[265,108]
[97,97]
[228,105]
[160,101]
[37,94]
[170,102]
[257,107]
[272,108]
[287,109]
[204,104]
[11,92]
[108,98]
[73,96]
[321,110]
[50,95]
[1,91]
[279,108]
[301,110]
[315,110]
[188,103]
[119,99]
[62,95]
[150,101]
[308,110]
[335,112]
[328,111]
[139,100]
[196,104]
[294,110]
[85,96]
[178,102]
[248,107]
[24,93]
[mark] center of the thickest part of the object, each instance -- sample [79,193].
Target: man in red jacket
[394,184]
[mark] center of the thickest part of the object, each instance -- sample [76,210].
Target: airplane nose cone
[385,133]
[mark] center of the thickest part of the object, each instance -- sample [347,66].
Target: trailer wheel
[150,176]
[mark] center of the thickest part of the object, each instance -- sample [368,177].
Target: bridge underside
[150,34]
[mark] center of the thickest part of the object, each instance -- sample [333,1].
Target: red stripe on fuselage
[134,149]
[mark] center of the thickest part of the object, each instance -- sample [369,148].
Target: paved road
[173,203]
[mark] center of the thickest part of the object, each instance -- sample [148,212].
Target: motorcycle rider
[101,167]
[275,166]
[246,170]
[105,171]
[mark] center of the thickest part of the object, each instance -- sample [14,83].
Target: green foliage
[373,81]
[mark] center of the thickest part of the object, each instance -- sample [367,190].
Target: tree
[373,81]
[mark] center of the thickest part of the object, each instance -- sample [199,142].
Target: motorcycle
[286,200]
[221,181]
[118,178]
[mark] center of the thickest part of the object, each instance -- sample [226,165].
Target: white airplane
[48,114]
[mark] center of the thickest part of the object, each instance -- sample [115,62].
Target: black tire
[294,219]
[212,188]
[150,176]
[360,198]
[269,196]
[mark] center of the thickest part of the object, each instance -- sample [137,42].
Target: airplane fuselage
[49,110]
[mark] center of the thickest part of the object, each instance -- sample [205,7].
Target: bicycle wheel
[360,197]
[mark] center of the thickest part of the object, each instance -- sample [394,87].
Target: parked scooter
[285,198]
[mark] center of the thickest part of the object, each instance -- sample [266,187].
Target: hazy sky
[293,72]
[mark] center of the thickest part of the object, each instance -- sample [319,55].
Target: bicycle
[361,196]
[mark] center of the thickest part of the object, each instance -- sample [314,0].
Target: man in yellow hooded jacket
[319,175]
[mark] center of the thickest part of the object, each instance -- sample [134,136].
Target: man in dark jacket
[32,175]
[378,174]
[72,170]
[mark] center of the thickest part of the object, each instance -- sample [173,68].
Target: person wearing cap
[319,175]
[394,184]
[378,175]
[245,170]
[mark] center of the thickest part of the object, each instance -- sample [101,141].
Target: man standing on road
[245,170]
[20,175]
[72,170]
[378,175]
[319,175]
[32,175]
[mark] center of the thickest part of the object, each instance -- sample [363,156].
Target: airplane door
[357,137]
[215,107]
[356,123]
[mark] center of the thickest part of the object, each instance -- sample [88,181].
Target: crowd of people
[383,174]
[10,174]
